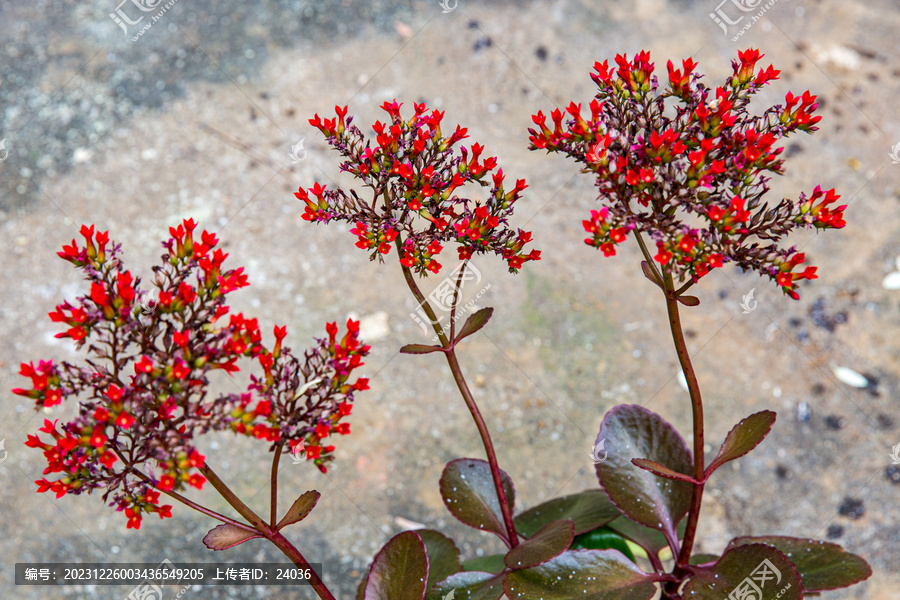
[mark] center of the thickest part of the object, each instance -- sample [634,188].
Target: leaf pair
[225,536]
[472,325]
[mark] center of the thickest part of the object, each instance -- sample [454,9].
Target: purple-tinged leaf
[584,574]
[651,540]
[822,565]
[689,300]
[301,507]
[743,437]
[631,431]
[549,542]
[419,349]
[649,274]
[493,563]
[443,556]
[400,570]
[474,323]
[467,488]
[588,510]
[225,536]
[658,469]
[756,568]
[468,585]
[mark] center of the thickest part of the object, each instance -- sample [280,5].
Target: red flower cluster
[414,174]
[144,390]
[695,151]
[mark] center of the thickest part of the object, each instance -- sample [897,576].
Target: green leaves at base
[631,431]
[467,488]
[583,574]
[399,571]
[822,565]
[548,542]
[443,555]
[754,568]
[743,437]
[587,510]
[469,585]
[603,538]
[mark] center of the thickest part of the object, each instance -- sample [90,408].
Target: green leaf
[443,555]
[756,567]
[631,431]
[550,541]
[492,564]
[702,559]
[400,570]
[584,574]
[660,470]
[475,322]
[225,536]
[822,565]
[419,349]
[469,585]
[467,488]
[743,437]
[588,510]
[651,540]
[602,538]
[301,507]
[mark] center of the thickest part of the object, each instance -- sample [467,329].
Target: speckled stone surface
[196,118]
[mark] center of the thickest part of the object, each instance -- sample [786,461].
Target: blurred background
[197,116]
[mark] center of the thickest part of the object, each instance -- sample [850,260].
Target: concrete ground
[196,119]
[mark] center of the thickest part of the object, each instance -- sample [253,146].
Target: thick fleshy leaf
[756,568]
[587,510]
[658,469]
[649,274]
[301,507]
[743,437]
[603,538]
[702,559]
[548,542]
[632,431]
[400,570]
[443,555]
[651,540]
[419,349]
[474,323]
[584,574]
[822,565]
[492,564]
[225,536]
[469,585]
[468,491]
[689,300]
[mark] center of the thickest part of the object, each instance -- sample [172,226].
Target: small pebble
[885,421]
[804,414]
[834,531]
[834,422]
[541,52]
[852,508]
[893,474]
[850,377]
[782,472]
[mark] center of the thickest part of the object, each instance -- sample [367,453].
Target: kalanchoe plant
[143,391]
